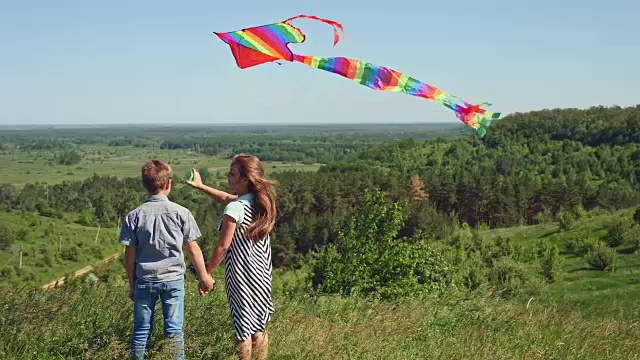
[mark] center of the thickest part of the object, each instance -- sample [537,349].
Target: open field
[36,166]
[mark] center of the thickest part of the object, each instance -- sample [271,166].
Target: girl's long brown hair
[249,166]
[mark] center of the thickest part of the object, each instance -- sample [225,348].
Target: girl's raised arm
[215,194]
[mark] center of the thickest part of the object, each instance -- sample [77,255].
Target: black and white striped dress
[248,273]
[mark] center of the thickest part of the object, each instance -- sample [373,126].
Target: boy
[154,234]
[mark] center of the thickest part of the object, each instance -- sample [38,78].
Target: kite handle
[336,25]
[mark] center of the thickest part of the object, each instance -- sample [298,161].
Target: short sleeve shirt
[235,209]
[158,229]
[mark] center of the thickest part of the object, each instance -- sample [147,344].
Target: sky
[143,62]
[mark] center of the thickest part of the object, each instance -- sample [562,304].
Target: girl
[244,243]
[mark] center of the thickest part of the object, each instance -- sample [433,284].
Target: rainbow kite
[262,44]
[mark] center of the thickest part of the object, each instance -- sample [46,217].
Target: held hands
[197,181]
[206,285]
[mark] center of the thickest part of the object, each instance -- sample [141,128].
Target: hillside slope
[51,248]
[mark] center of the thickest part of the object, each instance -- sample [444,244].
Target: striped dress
[248,272]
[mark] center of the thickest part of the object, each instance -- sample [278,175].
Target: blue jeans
[171,294]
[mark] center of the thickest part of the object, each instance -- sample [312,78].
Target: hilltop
[589,314]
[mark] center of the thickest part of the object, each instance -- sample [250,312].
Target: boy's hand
[197,181]
[206,285]
[131,293]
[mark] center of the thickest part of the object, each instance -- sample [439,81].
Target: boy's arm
[197,259]
[191,232]
[128,238]
[130,266]
[217,195]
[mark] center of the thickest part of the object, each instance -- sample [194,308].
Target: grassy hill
[612,293]
[51,248]
[589,314]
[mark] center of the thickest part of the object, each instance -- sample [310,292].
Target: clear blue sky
[90,62]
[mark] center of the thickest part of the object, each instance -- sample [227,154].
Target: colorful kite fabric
[267,43]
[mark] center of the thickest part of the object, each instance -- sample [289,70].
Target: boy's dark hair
[155,174]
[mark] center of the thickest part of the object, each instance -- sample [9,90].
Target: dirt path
[85,270]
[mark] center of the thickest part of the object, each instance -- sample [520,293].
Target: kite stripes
[270,39]
[382,78]
[248,275]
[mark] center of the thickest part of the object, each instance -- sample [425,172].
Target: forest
[530,169]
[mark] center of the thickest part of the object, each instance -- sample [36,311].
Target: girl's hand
[197,181]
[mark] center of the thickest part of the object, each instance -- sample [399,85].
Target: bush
[97,252]
[69,253]
[473,271]
[508,276]
[8,272]
[636,216]
[579,244]
[579,212]
[69,157]
[504,247]
[566,220]
[618,231]
[550,263]
[633,238]
[7,237]
[367,258]
[87,218]
[543,217]
[601,257]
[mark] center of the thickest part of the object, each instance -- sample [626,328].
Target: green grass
[94,321]
[44,249]
[29,167]
[611,294]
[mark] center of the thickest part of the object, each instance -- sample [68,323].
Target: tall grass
[94,321]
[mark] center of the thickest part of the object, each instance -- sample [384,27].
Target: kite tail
[336,25]
[475,116]
[383,78]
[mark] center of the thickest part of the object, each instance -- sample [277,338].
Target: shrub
[69,157]
[550,263]
[579,211]
[504,247]
[601,256]
[69,253]
[87,218]
[508,276]
[473,271]
[579,243]
[633,238]
[566,220]
[8,272]
[636,216]
[618,231]
[367,258]
[543,217]
[7,237]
